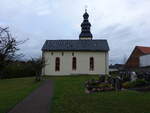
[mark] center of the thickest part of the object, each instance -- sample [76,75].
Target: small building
[78,57]
[134,59]
[116,67]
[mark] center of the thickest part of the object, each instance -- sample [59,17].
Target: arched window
[74,63]
[57,64]
[91,64]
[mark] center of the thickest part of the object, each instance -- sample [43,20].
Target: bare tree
[124,59]
[37,65]
[8,47]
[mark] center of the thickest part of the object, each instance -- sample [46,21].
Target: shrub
[28,68]
[137,83]
[104,85]
[127,85]
[140,82]
[18,70]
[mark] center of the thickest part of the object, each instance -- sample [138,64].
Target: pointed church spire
[85,27]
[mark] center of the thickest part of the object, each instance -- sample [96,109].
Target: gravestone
[118,83]
[102,78]
[133,76]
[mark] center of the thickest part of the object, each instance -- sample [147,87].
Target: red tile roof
[145,50]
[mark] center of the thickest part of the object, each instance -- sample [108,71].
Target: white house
[75,57]
[145,60]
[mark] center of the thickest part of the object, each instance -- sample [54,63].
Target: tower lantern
[85,28]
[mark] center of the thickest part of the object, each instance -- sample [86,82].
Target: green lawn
[12,91]
[70,97]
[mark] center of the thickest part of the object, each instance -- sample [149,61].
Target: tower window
[74,63]
[62,53]
[57,64]
[72,54]
[91,64]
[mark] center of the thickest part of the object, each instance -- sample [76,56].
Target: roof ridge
[143,46]
[76,40]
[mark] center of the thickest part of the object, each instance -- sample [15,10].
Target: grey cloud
[124,23]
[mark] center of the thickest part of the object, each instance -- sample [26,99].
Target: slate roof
[75,45]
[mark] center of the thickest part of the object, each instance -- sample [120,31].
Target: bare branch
[8,45]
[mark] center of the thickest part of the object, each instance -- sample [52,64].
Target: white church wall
[100,63]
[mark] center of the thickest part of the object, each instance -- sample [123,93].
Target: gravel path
[37,102]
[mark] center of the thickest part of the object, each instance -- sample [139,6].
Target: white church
[85,56]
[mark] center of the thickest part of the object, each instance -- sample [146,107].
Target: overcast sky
[124,23]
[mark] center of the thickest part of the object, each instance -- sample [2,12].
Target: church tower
[85,28]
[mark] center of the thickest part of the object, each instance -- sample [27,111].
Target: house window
[74,63]
[57,64]
[91,63]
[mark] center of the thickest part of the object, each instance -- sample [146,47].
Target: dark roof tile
[75,45]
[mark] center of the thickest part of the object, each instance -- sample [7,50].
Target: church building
[85,56]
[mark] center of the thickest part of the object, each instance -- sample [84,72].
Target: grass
[70,97]
[12,91]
